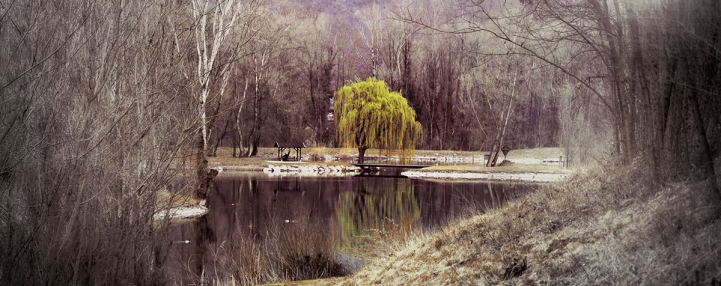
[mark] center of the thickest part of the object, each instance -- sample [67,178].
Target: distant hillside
[339,7]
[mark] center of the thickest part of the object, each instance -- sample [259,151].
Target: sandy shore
[181,213]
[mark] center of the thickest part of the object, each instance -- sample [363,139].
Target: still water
[251,207]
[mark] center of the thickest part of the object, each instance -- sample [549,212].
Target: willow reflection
[376,207]
[260,228]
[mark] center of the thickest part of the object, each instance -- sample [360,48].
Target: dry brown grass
[289,252]
[166,198]
[610,225]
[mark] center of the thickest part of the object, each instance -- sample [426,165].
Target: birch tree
[220,16]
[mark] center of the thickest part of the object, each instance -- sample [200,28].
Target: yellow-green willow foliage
[368,115]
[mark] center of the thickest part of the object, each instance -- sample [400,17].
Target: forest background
[100,101]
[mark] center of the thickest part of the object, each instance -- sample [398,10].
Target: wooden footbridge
[371,166]
[386,170]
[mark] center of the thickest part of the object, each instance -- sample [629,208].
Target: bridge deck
[390,166]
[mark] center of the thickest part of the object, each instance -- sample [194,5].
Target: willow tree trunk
[361,154]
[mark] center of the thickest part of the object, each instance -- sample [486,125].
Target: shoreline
[179,214]
[529,165]
[517,173]
[178,208]
[529,177]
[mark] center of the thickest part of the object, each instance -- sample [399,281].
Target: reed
[293,250]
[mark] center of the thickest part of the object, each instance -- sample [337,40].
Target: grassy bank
[608,225]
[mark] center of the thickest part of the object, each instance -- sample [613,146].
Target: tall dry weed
[293,250]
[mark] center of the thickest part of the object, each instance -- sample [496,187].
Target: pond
[252,210]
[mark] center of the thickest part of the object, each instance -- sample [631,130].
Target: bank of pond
[263,229]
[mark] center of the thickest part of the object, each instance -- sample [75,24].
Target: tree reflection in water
[262,229]
[376,209]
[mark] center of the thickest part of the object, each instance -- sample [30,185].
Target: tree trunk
[629,99]
[238,129]
[201,163]
[614,37]
[707,156]
[361,154]
[203,119]
[499,139]
[219,140]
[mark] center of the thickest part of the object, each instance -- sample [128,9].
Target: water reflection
[249,211]
[376,205]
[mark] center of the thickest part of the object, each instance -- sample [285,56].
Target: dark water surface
[252,206]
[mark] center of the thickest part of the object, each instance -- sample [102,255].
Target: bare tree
[91,100]
[222,16]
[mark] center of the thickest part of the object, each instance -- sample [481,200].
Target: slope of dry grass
[606,226]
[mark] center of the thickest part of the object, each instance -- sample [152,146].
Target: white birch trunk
[205,61]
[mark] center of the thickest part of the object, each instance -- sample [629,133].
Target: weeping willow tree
[368,115]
